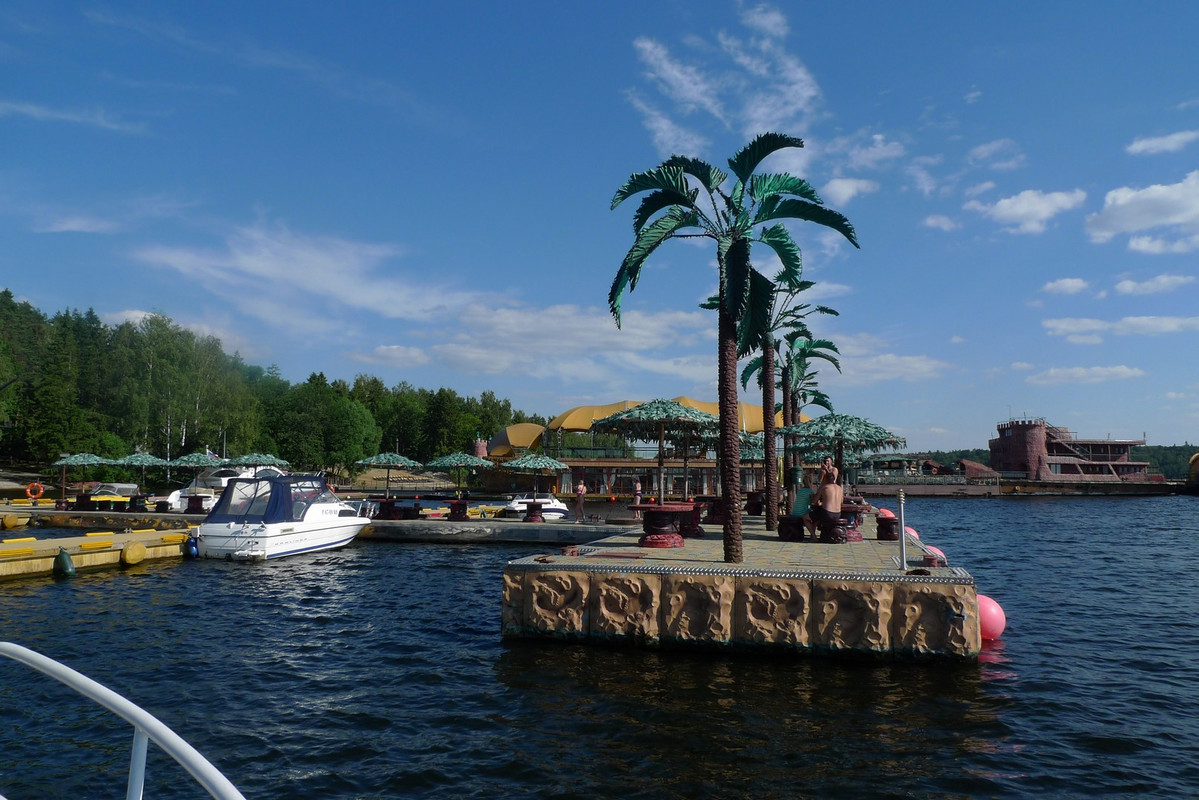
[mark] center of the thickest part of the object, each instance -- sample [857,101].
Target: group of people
[822,504]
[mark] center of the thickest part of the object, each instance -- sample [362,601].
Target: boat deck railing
[146,727]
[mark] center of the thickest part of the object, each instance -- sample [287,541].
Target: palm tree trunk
[730,442]
[788,455]
[770,467]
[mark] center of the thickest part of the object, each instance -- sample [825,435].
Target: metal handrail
[146,727]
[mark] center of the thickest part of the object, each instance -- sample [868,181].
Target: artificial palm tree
[672,209]
[798,382]
[788,318]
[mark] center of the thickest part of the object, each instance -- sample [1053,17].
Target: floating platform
[28,556]
[801,597]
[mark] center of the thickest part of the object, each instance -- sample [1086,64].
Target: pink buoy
[991,619]
[938,553]
[910,531]
[886,512]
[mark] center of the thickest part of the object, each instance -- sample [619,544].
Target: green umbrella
[389,461]
[198,460]
[459,462]
[535,463]
[77,460]
[142,460]
[258,460]
[651,421]
[840,433]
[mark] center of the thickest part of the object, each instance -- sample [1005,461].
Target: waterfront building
[1032,449]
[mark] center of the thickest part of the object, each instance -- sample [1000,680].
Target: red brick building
[1034,450]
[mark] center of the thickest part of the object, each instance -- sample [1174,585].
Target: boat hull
[262,542]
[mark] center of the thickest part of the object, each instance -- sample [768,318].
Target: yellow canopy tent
[520,436]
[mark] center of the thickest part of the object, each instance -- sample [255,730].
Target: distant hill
[951,457]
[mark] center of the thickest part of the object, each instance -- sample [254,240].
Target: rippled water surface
[378,671]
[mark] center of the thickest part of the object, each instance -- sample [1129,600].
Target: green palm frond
[734,277]
[746,160]
[670,179]
[809,212]
[779,240]
[709,176]
[752,366]
[762,186]
[656,201]
[646,243]
[755,320]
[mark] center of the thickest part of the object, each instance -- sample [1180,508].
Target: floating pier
[28,556]
[802,597]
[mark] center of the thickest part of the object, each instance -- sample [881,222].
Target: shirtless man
[826,505]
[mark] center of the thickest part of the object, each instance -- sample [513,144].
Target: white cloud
[765,20]
[940,222]
[1171,143]
[1021,366]
[1087,331]
[394,355]
[294,281]
[957,340]
[869,156]
[973,96]
[980,188]
[1162,283]
[1001,154]
[926,184]
[95,119]
[684,84]
[1173,206]
[1030,210]
[840,191]
[669,137]
[1060,375]
[1066,286]
[78,224]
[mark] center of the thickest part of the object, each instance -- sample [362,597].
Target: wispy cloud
[1170,143]
[840,191]
[1029,211]
[78,225]
[1066,286]
[940,222]
[1086,330]
[290,280]
[96,119]
[1173,206]
[1059,375]
[1157,285]
[1001,154]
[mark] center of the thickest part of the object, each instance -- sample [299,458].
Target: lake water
[378,671]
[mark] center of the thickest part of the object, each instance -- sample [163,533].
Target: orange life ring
[34,490]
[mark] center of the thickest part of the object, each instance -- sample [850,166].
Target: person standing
[636,497]
[580,493]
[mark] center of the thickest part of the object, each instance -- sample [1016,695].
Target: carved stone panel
[556,602]
[772,611]
[851,615]
[936,618]
[625,604]
[512,612]
[697,608]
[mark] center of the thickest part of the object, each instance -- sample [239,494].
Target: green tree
[673,209]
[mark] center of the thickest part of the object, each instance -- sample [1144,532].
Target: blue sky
[421,192]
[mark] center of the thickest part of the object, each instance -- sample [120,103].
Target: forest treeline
[74,384]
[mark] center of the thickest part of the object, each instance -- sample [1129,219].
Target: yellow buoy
[133,553]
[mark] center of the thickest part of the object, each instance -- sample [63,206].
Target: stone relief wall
[799,613]
[772,611]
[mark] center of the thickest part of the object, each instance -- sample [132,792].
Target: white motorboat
[279,515]
[208,485]
[551,506]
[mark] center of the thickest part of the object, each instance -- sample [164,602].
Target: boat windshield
[279,499]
